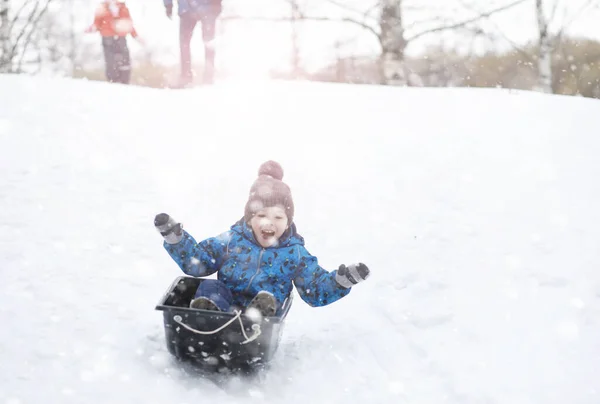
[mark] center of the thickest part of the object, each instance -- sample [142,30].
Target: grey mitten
[168,228]
[348,276]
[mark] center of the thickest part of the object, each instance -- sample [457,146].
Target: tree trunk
[5,45]
[393,43]
[545,51]
[295,60]
[72,39]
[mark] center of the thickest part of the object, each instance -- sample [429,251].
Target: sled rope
[238,314]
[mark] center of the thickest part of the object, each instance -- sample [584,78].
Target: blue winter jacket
[247,268]
[200,6]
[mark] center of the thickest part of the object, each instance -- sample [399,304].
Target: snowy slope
[477,210]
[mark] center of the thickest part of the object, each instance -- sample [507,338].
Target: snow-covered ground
[478,211]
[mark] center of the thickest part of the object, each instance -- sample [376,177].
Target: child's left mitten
[171,231]
[348,276]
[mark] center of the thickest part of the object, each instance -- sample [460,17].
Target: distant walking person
[190,13]
[113,22]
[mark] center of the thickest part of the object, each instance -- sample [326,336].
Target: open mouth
[267,233]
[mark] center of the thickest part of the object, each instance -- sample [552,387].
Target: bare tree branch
[18,13]
[30,19]
[512,43]
[32,30]
[553,12]
[577,14]
[465,22]
[416,24]
[347,7]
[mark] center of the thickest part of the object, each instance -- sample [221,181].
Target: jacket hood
[289,238]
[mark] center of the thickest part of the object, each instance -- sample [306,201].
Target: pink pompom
[271,168]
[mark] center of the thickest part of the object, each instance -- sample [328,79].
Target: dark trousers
[216,291]
[187,24]
[116,58]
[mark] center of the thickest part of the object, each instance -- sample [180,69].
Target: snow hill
[478,211]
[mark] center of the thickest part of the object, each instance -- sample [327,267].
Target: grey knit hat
[268,190]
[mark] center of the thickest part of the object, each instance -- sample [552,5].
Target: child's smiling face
[268,224]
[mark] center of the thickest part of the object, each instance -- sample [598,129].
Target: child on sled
[261,257]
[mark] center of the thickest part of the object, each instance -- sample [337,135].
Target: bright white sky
[253,48]
[476,209]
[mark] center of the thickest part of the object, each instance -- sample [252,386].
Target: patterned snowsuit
[247,268]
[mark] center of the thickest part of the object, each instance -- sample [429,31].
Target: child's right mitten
[171,231]
[348,276]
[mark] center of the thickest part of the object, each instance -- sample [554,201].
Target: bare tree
[553,19]
[548,41]
[18,30]
[545,49]
[295,16]
[393,43]
[4,36]
[72,38]
[387,22]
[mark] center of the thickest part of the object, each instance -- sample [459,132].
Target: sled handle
[255,327]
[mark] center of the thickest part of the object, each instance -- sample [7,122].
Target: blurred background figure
[192,12]
[113,21]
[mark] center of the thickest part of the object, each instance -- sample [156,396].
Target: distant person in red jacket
[114,23]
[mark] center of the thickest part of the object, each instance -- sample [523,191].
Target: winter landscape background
[476,210]
[547,45]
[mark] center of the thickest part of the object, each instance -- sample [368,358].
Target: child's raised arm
[318,287]
[194,259]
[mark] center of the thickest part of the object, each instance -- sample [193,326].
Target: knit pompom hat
[268,190]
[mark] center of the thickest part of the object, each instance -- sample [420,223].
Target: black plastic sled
[217,341]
